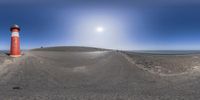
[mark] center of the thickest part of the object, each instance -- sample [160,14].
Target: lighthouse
[15,43]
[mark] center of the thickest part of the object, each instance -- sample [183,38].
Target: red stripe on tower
[15,43]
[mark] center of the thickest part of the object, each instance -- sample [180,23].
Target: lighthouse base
[15,56]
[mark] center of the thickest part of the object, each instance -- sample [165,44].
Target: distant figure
[41,47]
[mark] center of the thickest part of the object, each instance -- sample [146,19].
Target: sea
[168,52]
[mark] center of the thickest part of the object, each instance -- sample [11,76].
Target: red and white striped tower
[15,43]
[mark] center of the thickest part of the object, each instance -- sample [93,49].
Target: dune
[81,73]
[69,49]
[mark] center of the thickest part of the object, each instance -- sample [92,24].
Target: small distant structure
[15,42]
[41,47]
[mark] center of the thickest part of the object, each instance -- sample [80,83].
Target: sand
[63,73]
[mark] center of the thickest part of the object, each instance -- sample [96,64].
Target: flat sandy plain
[80,73]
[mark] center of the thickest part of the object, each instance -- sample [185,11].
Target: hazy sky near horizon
[124,24]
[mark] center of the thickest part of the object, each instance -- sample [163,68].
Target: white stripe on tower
[15,34]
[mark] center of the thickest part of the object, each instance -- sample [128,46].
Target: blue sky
[127,24]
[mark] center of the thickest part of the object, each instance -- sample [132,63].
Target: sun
[99,29]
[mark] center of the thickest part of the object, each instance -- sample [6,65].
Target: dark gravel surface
[98,75]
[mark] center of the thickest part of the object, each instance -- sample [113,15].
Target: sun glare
[99,29]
